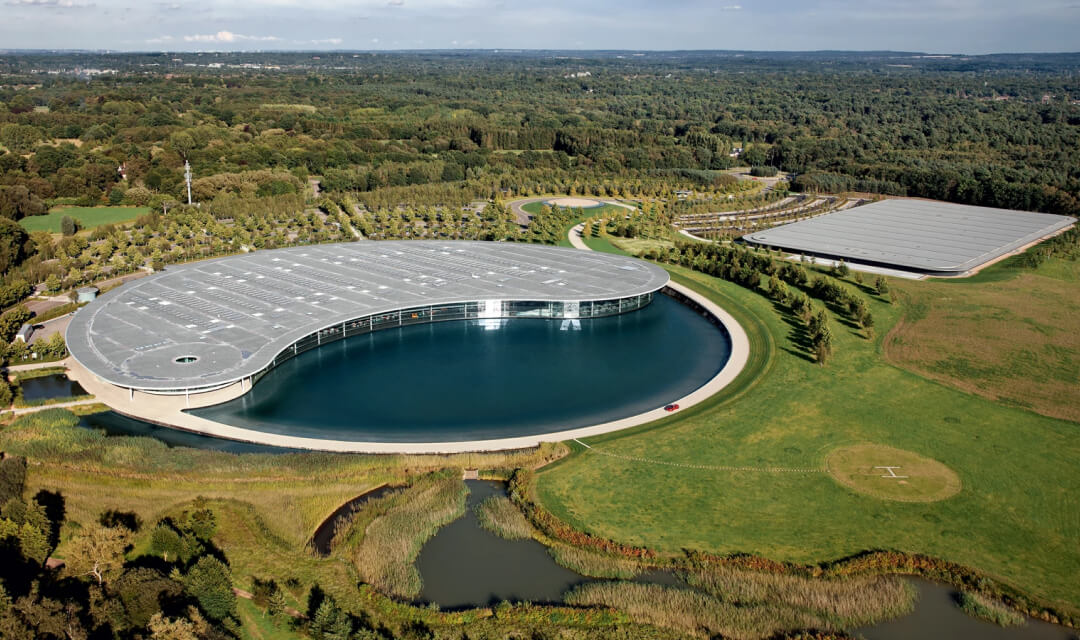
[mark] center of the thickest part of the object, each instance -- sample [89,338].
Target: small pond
[464,566]
[55,385]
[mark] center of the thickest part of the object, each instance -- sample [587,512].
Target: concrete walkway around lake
[18,411]
[170,410]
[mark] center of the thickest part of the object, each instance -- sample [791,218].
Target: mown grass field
[1017,516]
[602,210]
[88,217]
[1015,340]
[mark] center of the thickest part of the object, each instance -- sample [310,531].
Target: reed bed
[387,553]
[499,516]
[593,563]
[847,603]
[979,606]
[692,611]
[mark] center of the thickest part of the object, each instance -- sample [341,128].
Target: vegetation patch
[386,556]
[709,614]
[892,474]
[1007,335]
[87,217]
[499,516]
[594,564]
[979,606]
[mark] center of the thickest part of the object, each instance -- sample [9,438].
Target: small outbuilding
[25,333]
[86,294]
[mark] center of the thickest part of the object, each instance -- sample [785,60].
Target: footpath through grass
[1017,516]
[88,217]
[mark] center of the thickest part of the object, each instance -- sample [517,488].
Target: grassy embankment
[88,217]
[1015,517]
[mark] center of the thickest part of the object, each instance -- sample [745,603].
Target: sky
[932,26]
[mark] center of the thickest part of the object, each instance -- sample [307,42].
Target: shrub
[210,583]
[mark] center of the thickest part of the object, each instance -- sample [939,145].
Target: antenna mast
[187,178]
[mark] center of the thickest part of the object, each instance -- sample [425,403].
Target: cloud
[227,37]
[732,7]
[328,41]
[50,4]
[159,40]
[395,3]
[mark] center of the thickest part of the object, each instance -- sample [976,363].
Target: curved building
[203,326]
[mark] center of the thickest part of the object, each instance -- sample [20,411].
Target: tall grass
[845,603]
[750,605]
[594,563]
[691,611]
[979,606]
[499,516]
[386,555]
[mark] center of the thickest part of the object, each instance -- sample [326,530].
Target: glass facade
[444,312]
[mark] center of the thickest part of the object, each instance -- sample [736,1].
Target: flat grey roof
[920,235]
[236,314]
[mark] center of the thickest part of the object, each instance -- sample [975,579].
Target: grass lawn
[1013,337]
[1017,515]
[603,210]
[88,217]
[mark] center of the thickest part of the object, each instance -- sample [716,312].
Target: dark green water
[474,380]
[56,385]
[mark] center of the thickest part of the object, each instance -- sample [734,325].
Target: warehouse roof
[234,315]
[919,235]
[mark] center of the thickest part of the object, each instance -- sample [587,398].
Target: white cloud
[395,3]
[328,41]
[732,7]
[227,37]
[159,40]
[49,4]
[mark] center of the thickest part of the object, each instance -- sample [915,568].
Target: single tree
[99,552]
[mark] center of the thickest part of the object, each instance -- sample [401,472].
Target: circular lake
[485,379]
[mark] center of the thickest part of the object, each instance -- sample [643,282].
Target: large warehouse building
[920,236]
[200,327]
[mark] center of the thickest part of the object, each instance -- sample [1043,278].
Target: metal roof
[236,314]
[920,235]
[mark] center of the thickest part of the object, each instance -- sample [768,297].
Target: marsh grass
[594,563]
[979,606]
[748,605]
[691,611]
[844,603]
[499,516]
[386,555]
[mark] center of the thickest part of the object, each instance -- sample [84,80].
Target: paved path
[37,365]
[58,405]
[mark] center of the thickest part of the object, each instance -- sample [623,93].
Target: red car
[671,407]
